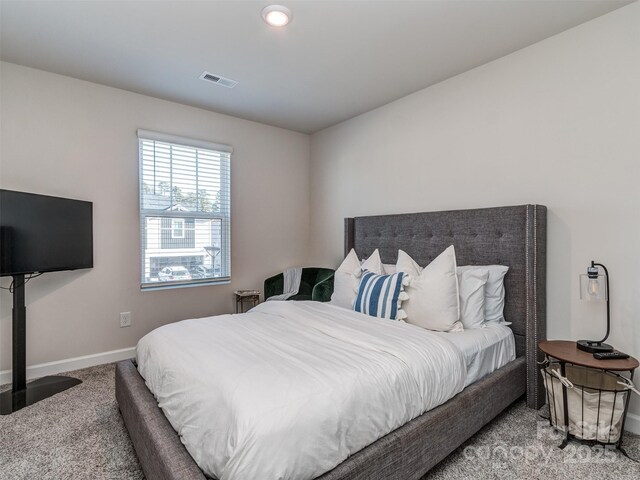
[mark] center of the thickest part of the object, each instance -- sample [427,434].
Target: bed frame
[513,236]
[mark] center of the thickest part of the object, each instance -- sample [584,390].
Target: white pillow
[346,278]
[471,284]
[493,291]
[389,268]
[433,301]
[373,263]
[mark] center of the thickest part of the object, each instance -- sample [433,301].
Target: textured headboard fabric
[513,236]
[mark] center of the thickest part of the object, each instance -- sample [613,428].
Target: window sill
[151,287]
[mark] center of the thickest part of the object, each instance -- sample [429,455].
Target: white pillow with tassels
[433,292]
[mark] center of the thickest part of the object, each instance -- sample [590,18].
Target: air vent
[218,80]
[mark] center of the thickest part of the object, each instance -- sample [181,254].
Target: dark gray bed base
[158,446]
[406,453]
[513,236]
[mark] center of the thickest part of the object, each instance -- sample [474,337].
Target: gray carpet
[78,434]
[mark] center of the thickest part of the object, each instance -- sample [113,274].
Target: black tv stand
[22,393]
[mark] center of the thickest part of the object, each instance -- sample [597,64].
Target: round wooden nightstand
[564,352]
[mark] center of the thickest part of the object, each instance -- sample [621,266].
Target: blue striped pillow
[380,295]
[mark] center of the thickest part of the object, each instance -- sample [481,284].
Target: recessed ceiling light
[276,15]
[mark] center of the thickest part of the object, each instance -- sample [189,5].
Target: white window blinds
[185,210]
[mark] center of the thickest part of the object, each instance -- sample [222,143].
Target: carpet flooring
[78,434]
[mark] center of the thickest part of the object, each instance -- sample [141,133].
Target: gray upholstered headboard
[512,236]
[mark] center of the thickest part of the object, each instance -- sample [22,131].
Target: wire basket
[596,401]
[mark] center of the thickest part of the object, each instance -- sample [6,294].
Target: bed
[513,236]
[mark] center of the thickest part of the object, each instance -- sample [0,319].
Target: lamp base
[593,346]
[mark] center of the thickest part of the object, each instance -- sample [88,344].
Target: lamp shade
[593,288]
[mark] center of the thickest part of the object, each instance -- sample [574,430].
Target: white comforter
[291,389]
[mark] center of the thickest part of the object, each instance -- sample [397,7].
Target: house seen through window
[184,211]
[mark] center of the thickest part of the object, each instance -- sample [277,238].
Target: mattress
[484,349]
[290,389]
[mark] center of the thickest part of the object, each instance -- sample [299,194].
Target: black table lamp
[595,288]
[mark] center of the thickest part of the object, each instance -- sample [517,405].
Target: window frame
[223,216]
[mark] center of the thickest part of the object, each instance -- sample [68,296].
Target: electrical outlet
[125,319]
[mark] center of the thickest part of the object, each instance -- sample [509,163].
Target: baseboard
[66,365]
[632,424]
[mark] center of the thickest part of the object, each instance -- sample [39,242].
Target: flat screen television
[39,233]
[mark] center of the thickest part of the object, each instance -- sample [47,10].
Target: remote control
[613,355]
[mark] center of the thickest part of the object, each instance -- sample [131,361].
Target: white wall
[549,124]
[66,137]
[557,123]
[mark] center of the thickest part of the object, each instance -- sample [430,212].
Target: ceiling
[335,60]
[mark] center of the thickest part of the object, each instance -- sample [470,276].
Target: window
[185,210]
[177,228]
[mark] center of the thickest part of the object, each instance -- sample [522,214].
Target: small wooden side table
[567,352]
[246,296]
